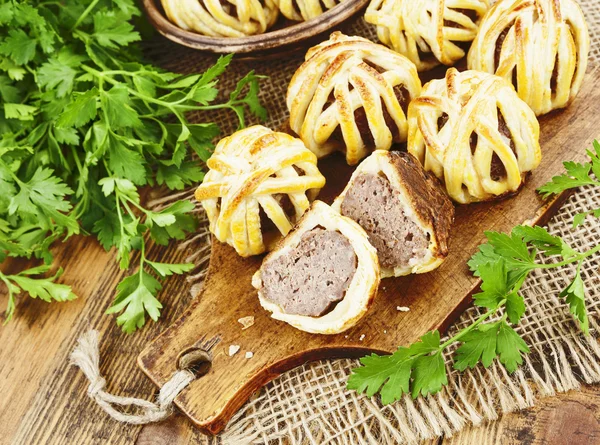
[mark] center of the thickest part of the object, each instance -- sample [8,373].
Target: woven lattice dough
[541,46]
[428,32]
[253,169]
[473,132]
[362,288]
[230,18]
[351,95]
[304,9]
[422,201]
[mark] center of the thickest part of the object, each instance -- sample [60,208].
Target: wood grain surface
[435,299]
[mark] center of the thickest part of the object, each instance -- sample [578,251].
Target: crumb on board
[385,331]
[362,337]
[345,336]
[246,322]
[249,354]
[233,349]
[402,308]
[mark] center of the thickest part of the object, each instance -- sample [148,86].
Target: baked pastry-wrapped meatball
[323,276]
[428,32]
[475,134]
[222,18]
[351,95]
[540,46]
[403,209]
[258,185]
[304,9]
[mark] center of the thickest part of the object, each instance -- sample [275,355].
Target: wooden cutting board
[435,299]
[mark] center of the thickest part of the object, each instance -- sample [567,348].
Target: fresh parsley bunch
[503,264]
[83,125]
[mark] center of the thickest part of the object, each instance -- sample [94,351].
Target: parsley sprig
[84,124]
[577,175]
[502,264]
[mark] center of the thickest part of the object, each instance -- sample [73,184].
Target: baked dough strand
[301,10]
[227,18]
[541,46]
[349,95]
[473,132]
[253,169]
[428,32]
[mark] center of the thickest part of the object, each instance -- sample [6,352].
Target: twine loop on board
[86,356]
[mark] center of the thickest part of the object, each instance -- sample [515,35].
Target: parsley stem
[469,328]
[83,16]
[574,259]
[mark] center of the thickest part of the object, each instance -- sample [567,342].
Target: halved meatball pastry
[428,32]
[301,10]
[351,95]
[403,209]
[475,134]
[259,184]
[222,18]
[323,276]
[540,46]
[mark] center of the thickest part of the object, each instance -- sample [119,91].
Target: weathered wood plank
[571,418]
[43,398]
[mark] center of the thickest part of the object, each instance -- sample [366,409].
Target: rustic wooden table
[43,399]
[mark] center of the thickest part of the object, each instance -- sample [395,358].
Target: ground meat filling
[373,204]
[362,122]
[313,277]
[497,170]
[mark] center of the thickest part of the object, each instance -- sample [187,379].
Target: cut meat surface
[374,204]
[312,277]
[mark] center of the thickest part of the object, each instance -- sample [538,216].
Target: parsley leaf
[388,374]
[574,294]
[509,347]
[478,345]
[136,297]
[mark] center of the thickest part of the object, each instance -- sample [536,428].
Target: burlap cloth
[310,403]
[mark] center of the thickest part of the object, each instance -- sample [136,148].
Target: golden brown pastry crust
[362,289]
[428,32]
[301,10]
[349,86]
[423,200]
[464,128]
[249,171]
[522,40]
[232,18]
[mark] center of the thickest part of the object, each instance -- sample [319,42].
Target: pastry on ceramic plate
[259,184]
[403,209]
[227,18]
[302,10]
[540,46]
[428,32]
[322,277]
[351,95]
[474,133]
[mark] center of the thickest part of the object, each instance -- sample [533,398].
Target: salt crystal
[402,308]
[362,337]
[384,331]
[233,349]
[246,322]
[249,354]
